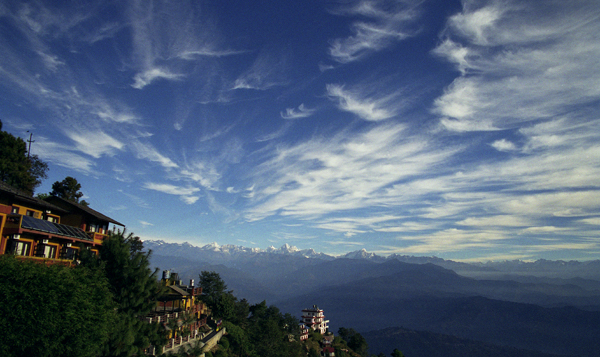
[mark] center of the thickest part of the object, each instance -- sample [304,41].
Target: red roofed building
[328,352]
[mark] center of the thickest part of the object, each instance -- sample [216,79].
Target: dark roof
[63,202]
[54,228]
[24,196]
[179,290]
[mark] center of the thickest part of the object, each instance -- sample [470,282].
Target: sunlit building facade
[51,231]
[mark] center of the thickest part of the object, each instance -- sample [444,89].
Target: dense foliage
[134,288]
[53,311]
[17,168]
[253,330]
[69,190]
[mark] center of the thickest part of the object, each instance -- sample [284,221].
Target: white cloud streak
[520,62]
[186,194]
[367,108]
[342,173]
[301,112]
[388,23]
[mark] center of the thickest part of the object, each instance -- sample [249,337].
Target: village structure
[55,230]
[313,319]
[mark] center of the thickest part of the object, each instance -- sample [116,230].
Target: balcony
[47,261]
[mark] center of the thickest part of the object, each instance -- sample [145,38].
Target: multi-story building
[314,319]
[51,231]
[181,311]
[303,332]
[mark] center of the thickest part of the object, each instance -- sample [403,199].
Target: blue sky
[467,130]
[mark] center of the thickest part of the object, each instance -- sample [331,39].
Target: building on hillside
[328,351]
[314,319]
[327,339]
[303,332]
[51,231]
[181,311]
[181,303]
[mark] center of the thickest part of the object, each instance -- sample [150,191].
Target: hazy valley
[545,307]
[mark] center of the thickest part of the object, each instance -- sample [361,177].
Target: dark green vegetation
[134,288]
[260,330]
[53,311]
[69,190]
[252,330]
[94,309]
[17,168]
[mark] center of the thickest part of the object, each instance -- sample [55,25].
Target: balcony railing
[47,261]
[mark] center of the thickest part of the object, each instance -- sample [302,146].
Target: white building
[314,319]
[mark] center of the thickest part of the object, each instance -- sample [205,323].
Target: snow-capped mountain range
[212,251]
[233,255]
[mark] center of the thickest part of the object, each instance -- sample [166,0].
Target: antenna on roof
[29,141]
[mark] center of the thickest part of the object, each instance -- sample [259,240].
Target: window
[15,210]
[21,248]
[70,253]
[49,251]
[52,219]
[29,213]
[45,250]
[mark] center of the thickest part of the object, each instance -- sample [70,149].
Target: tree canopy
[354,340]
[134,289]
[17,168]
[68,189]
[53,311]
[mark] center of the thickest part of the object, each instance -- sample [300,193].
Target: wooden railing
[47,261]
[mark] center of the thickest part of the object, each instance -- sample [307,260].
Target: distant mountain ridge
[544,306]
[222,254]
[227,250]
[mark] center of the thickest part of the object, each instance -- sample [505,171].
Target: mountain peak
[360,254]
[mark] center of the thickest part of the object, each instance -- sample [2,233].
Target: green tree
[17,168]
[68,189]
[313,353]
[354,340]
[134,288]
[53,311]
[397,353]
[239,342]
[212,286]
[268,330]
[219,300]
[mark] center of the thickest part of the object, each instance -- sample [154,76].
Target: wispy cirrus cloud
[95,143]
[63,155]
[203,173]
[148,152]
[186,194]
[388,23]
[341,173]
[366,105]
[169,38]
[519,63]
[148,76]
[267,71]
[301,112]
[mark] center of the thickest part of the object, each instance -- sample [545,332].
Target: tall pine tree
[135,288]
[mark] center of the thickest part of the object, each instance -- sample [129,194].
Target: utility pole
[29,141]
